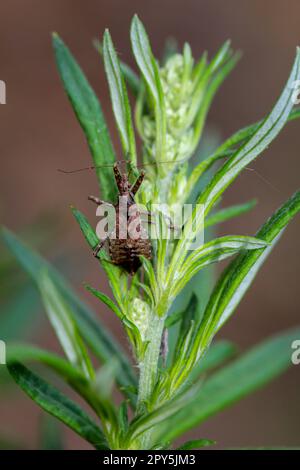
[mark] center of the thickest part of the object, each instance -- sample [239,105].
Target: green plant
[167,398]
[20,317]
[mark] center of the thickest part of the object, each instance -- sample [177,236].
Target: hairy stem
[149,365]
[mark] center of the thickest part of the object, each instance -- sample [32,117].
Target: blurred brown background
[39,133]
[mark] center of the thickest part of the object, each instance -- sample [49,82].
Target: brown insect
[126,251]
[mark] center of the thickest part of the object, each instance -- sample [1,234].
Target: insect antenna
[78,170]
[119,162]
[265,180]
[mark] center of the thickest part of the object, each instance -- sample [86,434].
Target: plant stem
[149,365]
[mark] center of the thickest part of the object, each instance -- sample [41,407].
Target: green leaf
[106,378]
[245,375]
[88,232]
[221,56]
[206,82]
[90,116]
[258,142]
[187,320]
[209,95]
[203,282]
[106,300]
[94,333]
[123,418]
[26,352]
[174,318]
[57,404]
[244,134]
[144,57]
[198,171]
[239,275]
[196,444]
[162,247]
[216,355]
[119,97]
[150,72]
[74,377]
[212,252]
[61,319]
[113,272]
[229,213]
[128,73]
[160,414]
[131,78]
[231,287]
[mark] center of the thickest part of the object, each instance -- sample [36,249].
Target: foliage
[168,397]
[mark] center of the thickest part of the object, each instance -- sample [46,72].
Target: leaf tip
[106,34]
[56,39]
[5,232]
[136,22]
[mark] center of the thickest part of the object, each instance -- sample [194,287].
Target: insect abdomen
[126,252]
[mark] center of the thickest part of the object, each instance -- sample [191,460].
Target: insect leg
[98,201]
[118,177]
[150,216]
[136,186]
[99,247]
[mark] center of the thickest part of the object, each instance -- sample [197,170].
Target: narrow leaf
[150,72]
[57,404]
[244,134]
[89,114]
[113,272]
[119,97]
[70,374]
[94,333]
[131,78]
[27,353]
[229,213]
[128,73]
[239,275]
[245,375]
[217,354]
[187,320]
[105,299]
[61,319]
[209,95]
[259,141]
[212,252]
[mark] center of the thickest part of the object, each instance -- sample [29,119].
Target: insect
[125,251]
